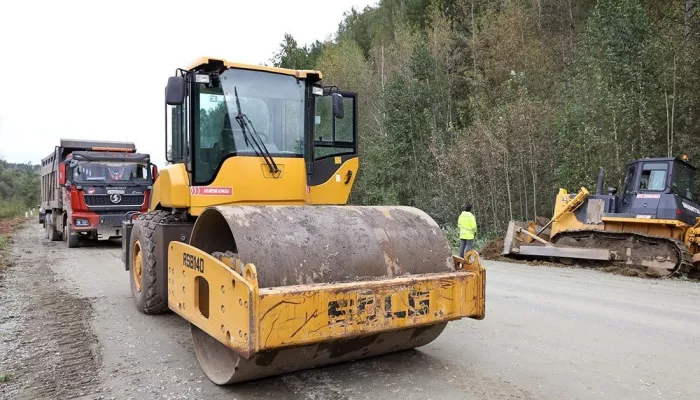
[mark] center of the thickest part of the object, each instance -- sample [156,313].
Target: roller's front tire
[142,264]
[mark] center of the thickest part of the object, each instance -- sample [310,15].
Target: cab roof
[210,63]
[662,159]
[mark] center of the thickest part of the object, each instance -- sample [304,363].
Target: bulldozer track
[683,266]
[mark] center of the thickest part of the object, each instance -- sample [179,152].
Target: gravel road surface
[68,329]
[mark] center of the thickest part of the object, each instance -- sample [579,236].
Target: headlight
[82,222]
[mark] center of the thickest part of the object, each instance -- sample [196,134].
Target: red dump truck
[89,187]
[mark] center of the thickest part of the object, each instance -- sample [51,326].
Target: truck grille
[103,200]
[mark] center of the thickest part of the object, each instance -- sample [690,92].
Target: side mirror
[154,172]
[338,110]
[175,91]
[61,174]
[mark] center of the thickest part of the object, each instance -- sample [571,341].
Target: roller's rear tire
[142,264]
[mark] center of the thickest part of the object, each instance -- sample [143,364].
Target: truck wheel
[47,228]
[142,264]
[53,235]
[71,240]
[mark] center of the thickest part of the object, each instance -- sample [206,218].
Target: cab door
[334,156]
[629,189]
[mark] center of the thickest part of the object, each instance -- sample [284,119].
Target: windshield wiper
[244,122]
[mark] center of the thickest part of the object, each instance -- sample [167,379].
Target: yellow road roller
[249,238]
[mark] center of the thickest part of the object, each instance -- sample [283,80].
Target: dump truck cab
[88,187]
[102,187]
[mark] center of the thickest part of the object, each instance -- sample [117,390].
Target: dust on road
[549,333]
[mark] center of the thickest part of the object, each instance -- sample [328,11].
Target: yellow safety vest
[467,225]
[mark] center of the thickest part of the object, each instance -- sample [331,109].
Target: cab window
[683,181]
[629,180]
[334,136]
[653,177]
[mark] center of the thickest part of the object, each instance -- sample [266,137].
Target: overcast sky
[97,69]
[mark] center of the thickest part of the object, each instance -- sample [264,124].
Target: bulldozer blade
[521,233]
[565,252]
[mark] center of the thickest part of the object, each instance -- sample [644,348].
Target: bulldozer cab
[660,188]
[302,132]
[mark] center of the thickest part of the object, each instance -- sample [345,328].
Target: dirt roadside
[47,349]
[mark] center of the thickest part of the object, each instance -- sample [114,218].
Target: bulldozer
[248,235]
[653,226]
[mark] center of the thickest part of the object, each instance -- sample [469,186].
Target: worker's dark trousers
[464,246]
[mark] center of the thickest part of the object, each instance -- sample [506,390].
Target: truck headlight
[81,222]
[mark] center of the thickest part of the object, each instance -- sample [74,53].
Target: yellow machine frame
[222,297]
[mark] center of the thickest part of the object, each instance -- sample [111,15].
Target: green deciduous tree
[501,103]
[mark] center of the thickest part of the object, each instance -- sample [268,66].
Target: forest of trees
[19,188]
[503,102]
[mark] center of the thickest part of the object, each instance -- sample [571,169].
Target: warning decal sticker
[210,191]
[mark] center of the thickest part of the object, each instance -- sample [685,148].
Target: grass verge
[7,226]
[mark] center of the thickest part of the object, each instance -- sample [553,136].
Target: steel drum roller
[295,245]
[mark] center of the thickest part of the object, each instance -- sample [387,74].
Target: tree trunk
[673,103]
[617,146]
[382,76]
[564,64]
[493,205]
[524,185]
[473,44]
[688,19]
[533,171]
[510,200]
[668,125]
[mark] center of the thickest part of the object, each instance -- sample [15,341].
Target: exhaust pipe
[601,181]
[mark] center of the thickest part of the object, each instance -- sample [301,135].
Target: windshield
[110,172]
[274,105]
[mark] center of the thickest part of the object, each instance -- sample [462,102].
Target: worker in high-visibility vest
[467,230]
